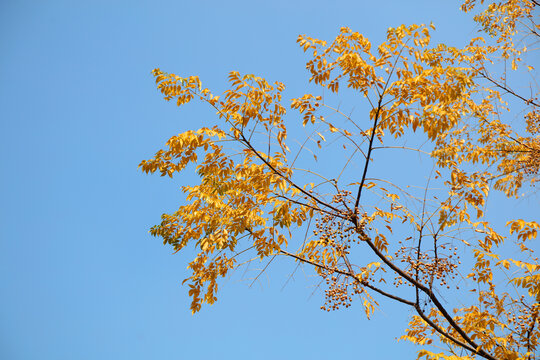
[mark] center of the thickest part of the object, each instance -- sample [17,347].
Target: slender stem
[364,283]
[309,206]
[507,89]
[368,156]
[248,144]
[370,148]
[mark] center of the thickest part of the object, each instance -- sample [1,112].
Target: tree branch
[507,89]
[348,274]
[368,156]
[421,287]
[248,144]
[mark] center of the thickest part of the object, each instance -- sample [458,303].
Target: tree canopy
[416,238]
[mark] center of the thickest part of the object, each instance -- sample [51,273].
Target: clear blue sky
[80,276]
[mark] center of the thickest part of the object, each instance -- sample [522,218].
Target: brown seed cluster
[333,231]
[339,293]
[338,235]
[342,197]
[429,268]
[526,324]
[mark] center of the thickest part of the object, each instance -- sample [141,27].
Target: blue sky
[81,277]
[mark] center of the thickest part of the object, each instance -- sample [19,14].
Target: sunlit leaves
[371,237]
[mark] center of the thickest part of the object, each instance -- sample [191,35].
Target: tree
[413,239]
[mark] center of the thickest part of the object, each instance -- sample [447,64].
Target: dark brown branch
[424,289]
[368,156]
[248,144]
[370,148]
[394,297]
[507,89]
[363,283]
[310,206]
[442,332]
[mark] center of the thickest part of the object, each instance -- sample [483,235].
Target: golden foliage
[423,245]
